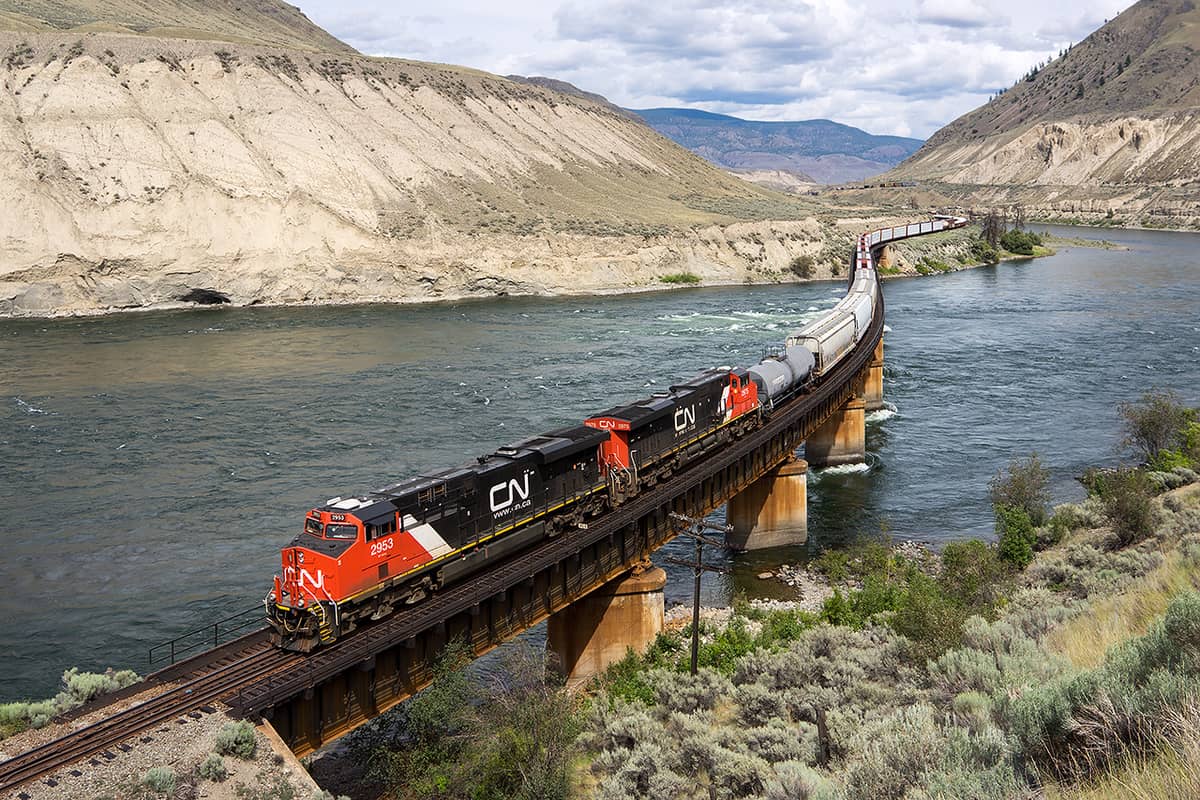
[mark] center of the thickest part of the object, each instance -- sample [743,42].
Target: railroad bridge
[592,584]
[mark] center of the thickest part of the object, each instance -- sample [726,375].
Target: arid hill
[1110,129]
[181,157]
[264,22]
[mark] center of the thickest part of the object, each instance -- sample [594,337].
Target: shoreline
[612,292]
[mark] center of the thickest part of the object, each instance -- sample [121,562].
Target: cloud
[955,14]
[882,65]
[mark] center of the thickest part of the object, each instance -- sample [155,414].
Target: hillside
[137,168]
[1113,125]
[824,151]
[266,22]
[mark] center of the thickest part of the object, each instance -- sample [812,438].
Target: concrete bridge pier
[873,389]
[597,630]
[772,511]
[842,439]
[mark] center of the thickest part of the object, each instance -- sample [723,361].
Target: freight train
[362,558]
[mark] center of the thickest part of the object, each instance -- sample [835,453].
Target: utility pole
[699,567]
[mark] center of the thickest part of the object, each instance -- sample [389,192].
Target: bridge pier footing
[842,439]
[598,629]
[772,511]
[873,388]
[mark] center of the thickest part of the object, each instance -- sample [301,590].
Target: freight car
[361,558]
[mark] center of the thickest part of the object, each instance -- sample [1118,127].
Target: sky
[885,66]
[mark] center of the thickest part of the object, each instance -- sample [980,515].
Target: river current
[152,464]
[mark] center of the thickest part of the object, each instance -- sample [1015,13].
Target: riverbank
[1061,659]
[952,251]
[1074,676]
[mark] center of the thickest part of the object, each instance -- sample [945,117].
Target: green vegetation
[961,675]
[236,739]
[213,768]
[160,780]
[803,266]
[680,278]
[510,734]
[958,679]
[1020,242]
[78,688]
[1161,431]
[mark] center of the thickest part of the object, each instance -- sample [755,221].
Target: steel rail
[107,732]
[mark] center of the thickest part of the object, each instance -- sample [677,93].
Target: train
[362,558]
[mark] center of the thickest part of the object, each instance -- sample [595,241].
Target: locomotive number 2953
[381,547]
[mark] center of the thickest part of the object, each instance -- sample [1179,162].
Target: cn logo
[505,495]
[684,417]
[306,577]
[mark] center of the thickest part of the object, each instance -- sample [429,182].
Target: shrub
[1156,422]
[797,781]
[1128,504]
[212,768]
[971,573]
[689,693]
[680,278]
[1024,485]
[803,266]
[893,754]
[236,739]
[928,617]
[1016,536]
[82,687]
[160,780]
[1020,242]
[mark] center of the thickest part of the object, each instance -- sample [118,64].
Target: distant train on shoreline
[361,558]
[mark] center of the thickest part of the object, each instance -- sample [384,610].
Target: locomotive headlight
[272,597]
[300,602]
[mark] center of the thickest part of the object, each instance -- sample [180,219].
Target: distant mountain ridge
[828,151]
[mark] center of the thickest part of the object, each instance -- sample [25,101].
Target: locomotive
[361,558]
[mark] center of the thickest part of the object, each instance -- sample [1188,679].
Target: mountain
[1110,129]
[827,151]
[166,152]
[265,22]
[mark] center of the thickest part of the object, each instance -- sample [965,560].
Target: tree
[509,733]
[993,228]
[1129,505]
[1024,485]
[1155,423]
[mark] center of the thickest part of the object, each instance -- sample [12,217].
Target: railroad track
[202,689]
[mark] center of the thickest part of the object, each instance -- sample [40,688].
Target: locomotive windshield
[312,526]
[340,532]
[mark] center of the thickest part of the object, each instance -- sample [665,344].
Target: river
[152,464]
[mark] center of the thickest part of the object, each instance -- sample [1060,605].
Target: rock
[766,576]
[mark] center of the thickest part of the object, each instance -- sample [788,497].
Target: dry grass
[1173,773]
[1112,620]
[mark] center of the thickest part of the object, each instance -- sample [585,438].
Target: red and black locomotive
[363,557]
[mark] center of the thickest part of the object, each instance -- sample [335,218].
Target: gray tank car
[778,376]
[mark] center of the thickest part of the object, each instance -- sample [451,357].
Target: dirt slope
[134,170]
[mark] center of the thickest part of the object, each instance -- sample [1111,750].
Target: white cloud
[882,65]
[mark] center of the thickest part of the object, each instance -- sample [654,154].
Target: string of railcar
[365,557]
